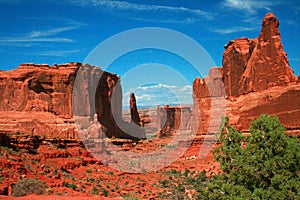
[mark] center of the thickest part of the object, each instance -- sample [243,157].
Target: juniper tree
[267,167]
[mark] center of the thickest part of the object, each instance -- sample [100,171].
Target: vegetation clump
[29,186]
[262,166]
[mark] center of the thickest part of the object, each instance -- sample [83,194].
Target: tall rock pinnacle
[269,28]
[252,65]
[258,80]
[133,110]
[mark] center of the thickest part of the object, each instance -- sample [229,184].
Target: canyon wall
[255,79]
[46,100]
[36,100]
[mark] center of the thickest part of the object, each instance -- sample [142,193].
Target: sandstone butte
[255,79]
[38,99]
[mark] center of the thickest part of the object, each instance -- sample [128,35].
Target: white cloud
[233,30]
[173,21]
[156,86]
[57,53]
[249,6]
[160,94]
[144,97]
[124,5]
[48,35]
[186,88]
[28,39]
[50,32]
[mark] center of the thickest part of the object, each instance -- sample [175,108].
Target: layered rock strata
[46,100]
[255,79]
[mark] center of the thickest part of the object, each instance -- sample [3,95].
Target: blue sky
[68,30]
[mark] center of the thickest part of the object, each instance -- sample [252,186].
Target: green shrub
[94,191]
[92,180]
[110,173]
[266,168]
[29,186]
[69,185]
[130,196]
[186,172]
[164,183]
[104,192]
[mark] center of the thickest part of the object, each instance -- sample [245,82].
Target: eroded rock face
[38,88]
[45,100]
[108,102]
[172,119]
[135,117]
[282,101]
[36,100]
[253,65]
[257,80]
[209,101]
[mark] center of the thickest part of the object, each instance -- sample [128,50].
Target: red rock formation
[171,119]
[253,65]
[145,119]
[257,79]
[135,117]
[44,100]
[38,88]
[105,102]
[282,101]
[207,92]
[36,100]
[108,105]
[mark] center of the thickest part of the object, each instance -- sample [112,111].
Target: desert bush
[104,192]
[69,185]
[94,191]
[267,167]
[264,165]
[29,186]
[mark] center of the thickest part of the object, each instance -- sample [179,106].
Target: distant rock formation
[209,101]
[46,100]
[135,117]
[256,78]
[172,119]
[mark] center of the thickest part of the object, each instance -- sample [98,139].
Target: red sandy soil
[76,166]
[53,197]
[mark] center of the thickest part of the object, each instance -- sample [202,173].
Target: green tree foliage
[265,167]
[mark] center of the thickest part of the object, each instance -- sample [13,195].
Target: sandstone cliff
[253,65]
[209,101]
[256,78]
[45,100]
[38,88]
